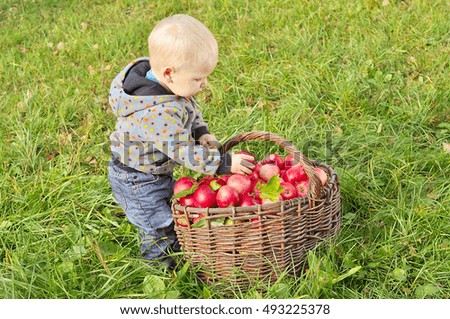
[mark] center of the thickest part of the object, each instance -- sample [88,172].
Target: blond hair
[182,41]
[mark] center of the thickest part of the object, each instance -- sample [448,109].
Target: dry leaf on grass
[446,147]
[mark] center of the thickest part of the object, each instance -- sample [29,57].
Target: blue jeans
[145,198]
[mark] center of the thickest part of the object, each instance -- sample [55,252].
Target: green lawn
[362,85]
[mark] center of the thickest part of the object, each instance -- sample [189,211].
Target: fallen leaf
[446,147]
[60,46]
[385,3]
[22,49]
[338,130]
[51,156]
[65,138]
[412,59]
[380,127]
[91,69]
[90,160]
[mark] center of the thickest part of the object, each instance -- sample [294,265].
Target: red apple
[322,175]
[257,186]
[197,218]
[256,223]
[205,180]
[253,185]
[205,196]
[241,183]
[269,170]
[296,174]
[283,175]
[220,181]
[269,201]
[302,188]
[290,191]
[246,201]
[289,161]
[256,194]
[183,183]
[255,173]
[257,198]
[225,177]
[182,222]
[188,201]
[217,183]
[274,159]
[227,196]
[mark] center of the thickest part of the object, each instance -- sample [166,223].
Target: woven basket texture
[261,241]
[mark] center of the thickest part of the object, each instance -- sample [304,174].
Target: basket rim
[315,186]
[228,210]
[334,181]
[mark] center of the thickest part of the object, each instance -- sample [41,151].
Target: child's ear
[168,72]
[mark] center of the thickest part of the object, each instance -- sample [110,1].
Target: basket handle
[315,186]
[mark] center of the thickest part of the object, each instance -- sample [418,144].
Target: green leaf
[214,185]
[399,274]
[72,232]
[214,223]
[154,286]
[199,223]
[186,192]
[347,274]
[426,290]
[218,222]
[206,292]
[79,250]
[183,271]
[172,294]
[109,248]
[66,267]
[258,186]
[272,189]
[280,290]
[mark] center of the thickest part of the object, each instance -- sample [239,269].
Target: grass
[361,85]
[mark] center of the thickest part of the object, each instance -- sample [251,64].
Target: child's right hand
[242,164]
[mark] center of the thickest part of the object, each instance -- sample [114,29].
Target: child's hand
[209,141]
[241,164]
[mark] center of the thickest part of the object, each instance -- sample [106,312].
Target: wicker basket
[262,240]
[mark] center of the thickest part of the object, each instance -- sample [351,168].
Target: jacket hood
[131,92]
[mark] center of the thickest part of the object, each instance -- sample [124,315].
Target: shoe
[168,263]
[162,263]
[176,248]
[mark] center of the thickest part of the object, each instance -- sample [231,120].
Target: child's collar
[150,76]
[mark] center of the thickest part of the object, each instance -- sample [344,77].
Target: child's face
[187,81]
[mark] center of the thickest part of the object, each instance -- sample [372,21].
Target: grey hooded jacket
[157,130]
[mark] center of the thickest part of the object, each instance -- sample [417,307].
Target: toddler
[159,125]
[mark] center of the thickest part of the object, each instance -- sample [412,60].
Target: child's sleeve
[164,127]
[199,126]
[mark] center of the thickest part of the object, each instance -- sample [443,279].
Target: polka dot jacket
[155,132]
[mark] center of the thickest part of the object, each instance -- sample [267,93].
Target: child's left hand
[209,141]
